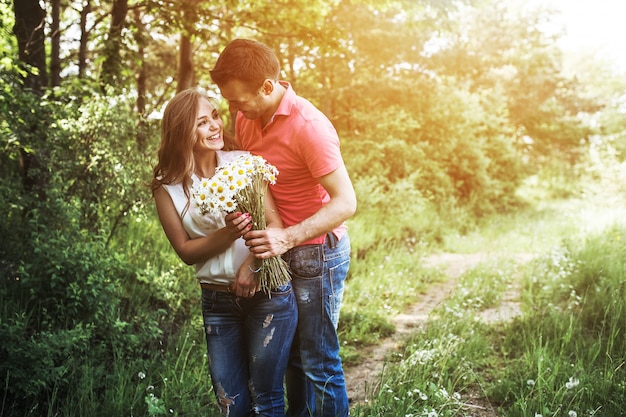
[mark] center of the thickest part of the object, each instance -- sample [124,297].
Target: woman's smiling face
[209,128]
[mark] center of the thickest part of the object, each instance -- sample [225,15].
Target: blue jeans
[248,342]
[315,381]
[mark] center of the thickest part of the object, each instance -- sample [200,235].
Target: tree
[55,36]
[499,45]
[84,37]
[29,31]
[112,65]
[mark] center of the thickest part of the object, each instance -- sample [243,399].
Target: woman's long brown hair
[178,130]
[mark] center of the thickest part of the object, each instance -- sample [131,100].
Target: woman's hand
[245,285]
[237,224]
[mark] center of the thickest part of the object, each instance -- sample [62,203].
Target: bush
[64,289]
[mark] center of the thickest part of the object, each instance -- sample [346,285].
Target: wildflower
[530,382]
[141,375]
[572,413]
[538,415]
[572,383]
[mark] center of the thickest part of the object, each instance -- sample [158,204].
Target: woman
[248,332]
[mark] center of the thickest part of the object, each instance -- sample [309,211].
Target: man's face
[251,102]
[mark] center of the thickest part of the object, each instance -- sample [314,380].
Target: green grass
[565,356]
[175,382]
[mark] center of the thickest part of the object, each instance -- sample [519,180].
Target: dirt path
[363,379]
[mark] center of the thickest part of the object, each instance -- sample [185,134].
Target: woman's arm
[192,251]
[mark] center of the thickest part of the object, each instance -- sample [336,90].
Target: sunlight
[594,27]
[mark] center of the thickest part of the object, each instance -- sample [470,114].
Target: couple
[249,332]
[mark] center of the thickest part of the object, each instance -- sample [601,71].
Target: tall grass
[175,382]
[573,349]
[564,356]
[441,364]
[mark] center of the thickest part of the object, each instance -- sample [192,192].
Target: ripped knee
[224,401]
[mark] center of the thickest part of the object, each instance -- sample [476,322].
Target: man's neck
[276,97]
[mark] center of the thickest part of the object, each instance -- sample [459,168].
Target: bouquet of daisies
[242,185]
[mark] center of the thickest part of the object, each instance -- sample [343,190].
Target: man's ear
[268,87]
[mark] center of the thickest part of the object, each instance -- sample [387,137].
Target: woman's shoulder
[176,187]
[224,157]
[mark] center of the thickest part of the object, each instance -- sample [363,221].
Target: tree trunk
[84,38]
[29,31]
[185,67]
[111,67]
[141,39]
[55,50]
[186,76]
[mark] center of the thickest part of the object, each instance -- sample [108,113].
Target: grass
[564,356]
[570,344]
[377,289]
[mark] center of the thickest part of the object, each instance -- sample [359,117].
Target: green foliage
[7,19]
[409,216]
[431,371]
[58,267]
[484,286]
[359,329]
[436,139]
[456,151]
[35,366]
[588,280]
[97,159]
[68,284]
[379,285]
[23,128]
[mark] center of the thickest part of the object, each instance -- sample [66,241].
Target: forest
[446,111]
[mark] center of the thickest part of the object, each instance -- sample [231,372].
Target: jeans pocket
[281,290]
[208,301]
[306,261]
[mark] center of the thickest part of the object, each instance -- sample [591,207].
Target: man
[314,196]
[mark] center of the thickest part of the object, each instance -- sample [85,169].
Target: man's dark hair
[246,60]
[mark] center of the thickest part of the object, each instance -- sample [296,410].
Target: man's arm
[342,205]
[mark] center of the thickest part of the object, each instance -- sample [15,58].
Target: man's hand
[267,243]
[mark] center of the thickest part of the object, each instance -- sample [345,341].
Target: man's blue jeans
[248,342]
[315,380]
